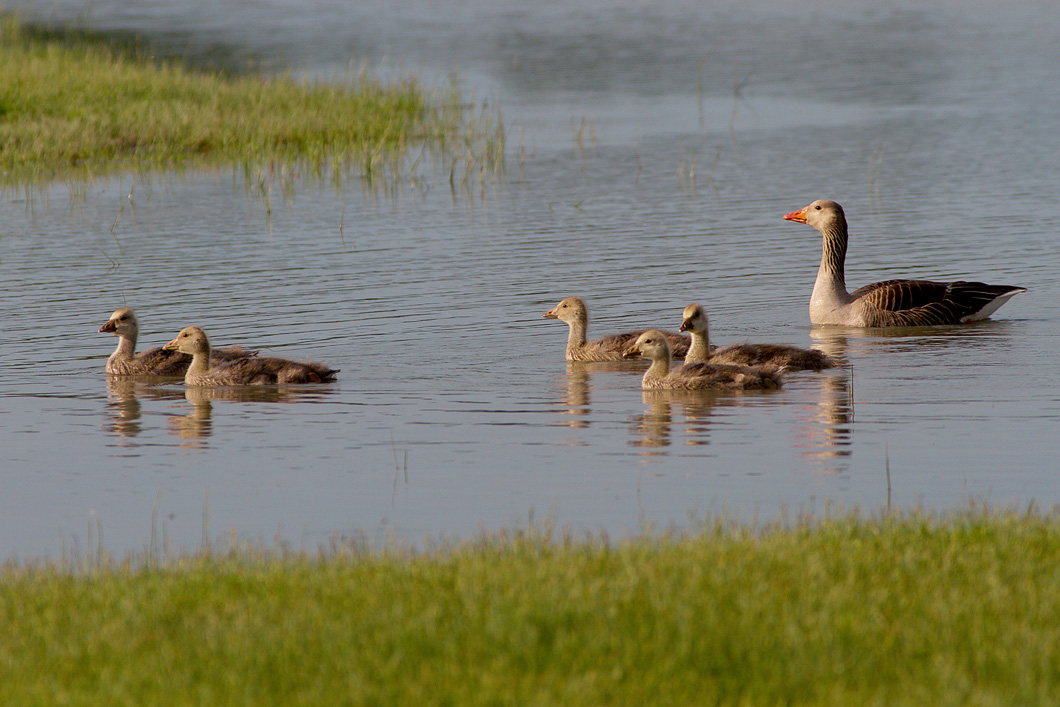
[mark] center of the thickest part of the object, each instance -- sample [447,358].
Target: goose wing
[679,343]
[900,295]
[232,353]
[714,375]
[784,356]
[244,371]
[926,303]
[160,362]
[282,370]
[618,342]
[307,372]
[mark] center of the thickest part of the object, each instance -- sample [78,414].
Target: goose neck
[660,368]
[699,348]
[834,252]
[200,364]
[126,350]
[577,334]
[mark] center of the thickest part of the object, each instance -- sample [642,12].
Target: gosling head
[569,309]
[122,323]
[191,340]
[651,344]
[694,318]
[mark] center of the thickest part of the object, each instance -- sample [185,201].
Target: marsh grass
[74,106]
[908,610]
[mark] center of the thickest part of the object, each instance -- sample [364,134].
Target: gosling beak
[686,325]
[632,352]
[171,346]
[110,326]
[550,314]
[799,216]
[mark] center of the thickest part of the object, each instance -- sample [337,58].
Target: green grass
[75,106]
[915,610]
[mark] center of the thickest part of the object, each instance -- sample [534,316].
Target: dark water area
[653,149]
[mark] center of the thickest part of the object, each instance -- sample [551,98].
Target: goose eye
[817,208]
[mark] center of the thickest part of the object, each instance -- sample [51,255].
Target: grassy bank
[963,610]
[77,106]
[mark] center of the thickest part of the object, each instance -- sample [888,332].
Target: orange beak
[550,314]
[632,352]
[799,216]
[108,326]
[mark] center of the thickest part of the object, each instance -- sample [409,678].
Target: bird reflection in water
[124,408]
[824,430]
[197,424]
[575,403]
[194,427]
[652,430]
[576,398]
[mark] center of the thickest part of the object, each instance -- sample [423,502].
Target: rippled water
[654,149]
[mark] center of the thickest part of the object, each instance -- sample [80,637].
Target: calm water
[936,128]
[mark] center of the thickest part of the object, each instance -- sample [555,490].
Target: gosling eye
[817,208]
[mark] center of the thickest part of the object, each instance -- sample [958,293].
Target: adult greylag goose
[262,370]
[781,356]
[575,313]
[157,361]
[891,302]
[660,375]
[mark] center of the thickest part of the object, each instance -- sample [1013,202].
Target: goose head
[191,340]
[569,309]
[651,344]
[694,318]
[823,214]
[122,323]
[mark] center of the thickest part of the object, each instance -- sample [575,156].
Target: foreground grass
[77,107]
[962,610]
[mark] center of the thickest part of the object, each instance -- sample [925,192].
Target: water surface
[653,150]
